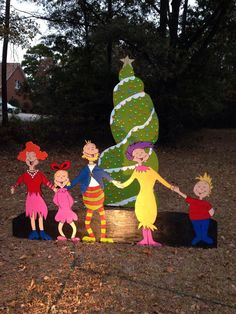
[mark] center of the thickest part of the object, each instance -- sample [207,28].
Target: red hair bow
[64,166]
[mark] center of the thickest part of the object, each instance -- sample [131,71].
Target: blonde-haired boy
[200,211]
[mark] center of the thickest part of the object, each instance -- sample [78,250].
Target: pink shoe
[145,238]
[61,238]
[142,242]
[154,243]
[75,239]
[151,241]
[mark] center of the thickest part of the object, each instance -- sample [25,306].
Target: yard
[51,277]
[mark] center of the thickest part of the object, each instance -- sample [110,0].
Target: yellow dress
[145,205]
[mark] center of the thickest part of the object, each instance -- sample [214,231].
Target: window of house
[17,85]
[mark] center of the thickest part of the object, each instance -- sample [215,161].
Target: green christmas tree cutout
[133,119]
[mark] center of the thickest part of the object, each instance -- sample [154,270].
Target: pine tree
[133,119]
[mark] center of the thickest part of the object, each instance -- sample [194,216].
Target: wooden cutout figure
[200,211]
[33,179]
[91,183]
[64,201]
[145,205]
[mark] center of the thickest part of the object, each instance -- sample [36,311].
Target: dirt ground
[39,277]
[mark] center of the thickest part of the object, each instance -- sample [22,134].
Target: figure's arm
[211,212]
[47,183]
[70,199]
[129,181]
[19,181]
[177,190]
[110,179]
[75,181]
[163,181]
[55,199]
[106,175]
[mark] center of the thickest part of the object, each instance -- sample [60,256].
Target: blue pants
[201,231]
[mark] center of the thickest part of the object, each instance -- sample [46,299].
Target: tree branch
[212,20]
[221,13]
[45,18]
[152,4]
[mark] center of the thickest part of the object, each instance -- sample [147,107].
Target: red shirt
[198,209]
[34,182]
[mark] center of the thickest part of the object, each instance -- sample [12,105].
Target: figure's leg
[144,241]
[198,231]
[42,233]
[150,239]
[34,234]
[205,226]
[62,236]
[91,236]
[103,238]
[32,222]
[74,230]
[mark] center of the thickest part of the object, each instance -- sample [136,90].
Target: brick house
[17,91]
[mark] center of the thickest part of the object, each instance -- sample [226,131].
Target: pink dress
[64,201]
[34,202]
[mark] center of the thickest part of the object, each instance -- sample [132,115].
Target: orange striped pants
[93,199]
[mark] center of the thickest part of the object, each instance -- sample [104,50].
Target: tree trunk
[163,17]
[184,18]
[4,65]
[87,37]
[109,43]
[174,22]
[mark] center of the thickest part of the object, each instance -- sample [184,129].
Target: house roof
[11,67]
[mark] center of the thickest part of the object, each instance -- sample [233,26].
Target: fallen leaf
[147,252]
[32,285]
[195,306]
[170,269]
[23,256]
[23,268]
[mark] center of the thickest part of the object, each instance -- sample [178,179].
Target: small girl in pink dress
[64,201]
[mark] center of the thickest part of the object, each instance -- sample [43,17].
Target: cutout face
[90,152]
[61,178]
[140,155]
[31,159]
[202,189]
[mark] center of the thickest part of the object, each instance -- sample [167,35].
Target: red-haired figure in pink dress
[33,179]
[64,201]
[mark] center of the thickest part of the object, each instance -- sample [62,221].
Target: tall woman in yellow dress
[145,205]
